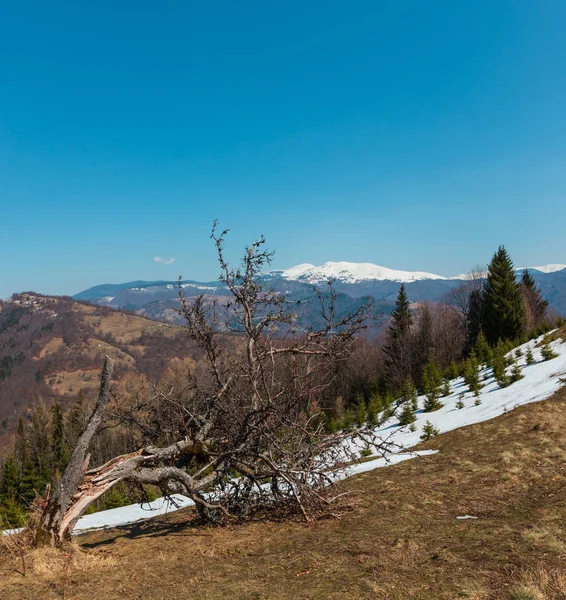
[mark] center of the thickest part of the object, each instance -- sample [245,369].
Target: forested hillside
[52,349]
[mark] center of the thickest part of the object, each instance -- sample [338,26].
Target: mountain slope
[351,280]
[51,348]
[397,536]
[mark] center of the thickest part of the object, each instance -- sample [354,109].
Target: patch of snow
[540,381]
[125,515]
[197,286]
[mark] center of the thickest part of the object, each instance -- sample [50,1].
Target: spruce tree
[529,356]
[472,375]
[374,408]
[9,481]
[40,447]
[429,431]
[58,444]
[516,373]
[398,359]
[361,412]
[534,305]
[500,366]
[482,349]
[407,416]
[546,351]
[452,371]
[503,310]
[431,384]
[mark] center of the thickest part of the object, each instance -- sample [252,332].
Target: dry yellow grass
[540,584]
[127,328]
[398,540]
[51,347]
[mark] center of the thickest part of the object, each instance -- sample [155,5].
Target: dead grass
[127,328]
[540,584]
[400,539]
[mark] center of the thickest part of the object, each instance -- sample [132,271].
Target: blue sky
[413,135]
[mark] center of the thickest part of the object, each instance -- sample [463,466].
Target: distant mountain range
[353,282]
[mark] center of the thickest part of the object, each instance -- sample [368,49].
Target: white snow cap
[545,268]
[349,272]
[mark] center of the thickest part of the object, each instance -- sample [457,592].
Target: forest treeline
[423,347]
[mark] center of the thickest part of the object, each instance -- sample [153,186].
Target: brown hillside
[53,347]
[401,541]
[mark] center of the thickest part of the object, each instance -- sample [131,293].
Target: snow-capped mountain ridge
[349,272]
[545,268]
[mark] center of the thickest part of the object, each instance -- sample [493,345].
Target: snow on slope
[349,272]
[545,268]
[541,380]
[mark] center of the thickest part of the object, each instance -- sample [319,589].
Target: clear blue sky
[415,135]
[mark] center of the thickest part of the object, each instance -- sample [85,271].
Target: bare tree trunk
[55,525]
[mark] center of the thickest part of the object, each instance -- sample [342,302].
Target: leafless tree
[244,432]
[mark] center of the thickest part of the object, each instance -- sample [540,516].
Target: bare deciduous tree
[245,431]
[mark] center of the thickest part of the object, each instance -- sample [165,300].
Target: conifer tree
[452,371]
[503,310]
[9,481]
[431,384]
[516,373]
[58,444]
[429,431]
[407,415]
[529,356]
[534,305]
[482,349]
[40,447]
[500,366]
[361,413]
[397,347]
[472,375]
[546,351]
[374,408]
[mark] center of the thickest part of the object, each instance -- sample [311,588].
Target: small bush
[429,431]
[547,352]
[407,415]
[432,403]
[460,404]
[516,373]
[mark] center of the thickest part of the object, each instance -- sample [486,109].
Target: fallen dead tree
[245,431]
